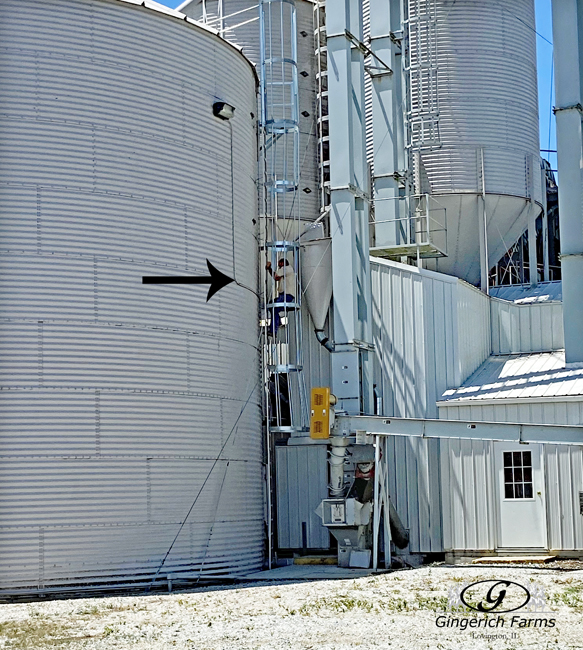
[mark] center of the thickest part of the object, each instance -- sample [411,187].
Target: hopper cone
[316,274]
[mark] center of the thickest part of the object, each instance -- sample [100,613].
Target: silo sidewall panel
[130,412]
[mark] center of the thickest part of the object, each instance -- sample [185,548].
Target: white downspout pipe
[336,460]
[567,31]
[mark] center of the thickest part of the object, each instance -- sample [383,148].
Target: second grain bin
[472,120]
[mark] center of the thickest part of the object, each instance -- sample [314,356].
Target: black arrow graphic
[217,280]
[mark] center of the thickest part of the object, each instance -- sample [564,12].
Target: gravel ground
[395,610]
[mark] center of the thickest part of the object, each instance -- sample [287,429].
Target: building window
[518,475]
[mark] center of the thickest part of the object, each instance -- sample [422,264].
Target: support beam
[347,425]
[533,213]
[349,192]
[546,270]
[483,239]
[483,232]
[387,117]
[568,57]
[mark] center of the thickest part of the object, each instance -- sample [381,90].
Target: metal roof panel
[538,375]
[525,293]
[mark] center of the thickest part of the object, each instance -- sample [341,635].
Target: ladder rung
[287,306]
[284,368]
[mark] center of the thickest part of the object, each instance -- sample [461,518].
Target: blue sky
[545,69]
[544,61]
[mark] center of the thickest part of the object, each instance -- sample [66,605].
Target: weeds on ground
[338,604]
[572,596]
[395,605]
[432,603]
[34,633]
[109,608]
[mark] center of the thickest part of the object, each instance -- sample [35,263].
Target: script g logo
[499,596]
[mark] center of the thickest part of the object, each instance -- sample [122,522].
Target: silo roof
[174,13]
[534,376]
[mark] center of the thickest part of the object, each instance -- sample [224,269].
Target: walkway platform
[516,559]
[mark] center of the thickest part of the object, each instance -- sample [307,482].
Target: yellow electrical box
[320,413]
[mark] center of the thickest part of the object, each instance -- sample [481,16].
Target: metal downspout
[568,55]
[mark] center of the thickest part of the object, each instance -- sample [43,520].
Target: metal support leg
[546,271]
[376,512]
[532,257]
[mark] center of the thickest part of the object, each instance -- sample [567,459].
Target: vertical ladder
[323,130]
[420,38]
[286,407]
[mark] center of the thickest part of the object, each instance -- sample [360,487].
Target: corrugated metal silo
[122,404]
[474,121]
[241,27]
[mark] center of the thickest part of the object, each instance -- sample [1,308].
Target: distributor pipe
[399,534]
[324,340]
[336,460]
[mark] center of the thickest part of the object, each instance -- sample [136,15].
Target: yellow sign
[320,413]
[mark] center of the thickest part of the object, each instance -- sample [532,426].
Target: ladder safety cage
[285,392]
[420,48]
[322,124]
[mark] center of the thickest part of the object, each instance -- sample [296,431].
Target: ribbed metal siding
[302,483]
[564,482]
[467,491]
[536,327]
[431,332]
[309,201]
[487,95]
[535,410]
[473,313]
[247,37]
[468,495]
[414,479]
[117,398]
[316,359]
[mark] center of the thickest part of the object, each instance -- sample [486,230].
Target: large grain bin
[130,422]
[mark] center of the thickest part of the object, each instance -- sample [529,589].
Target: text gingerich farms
[498,622]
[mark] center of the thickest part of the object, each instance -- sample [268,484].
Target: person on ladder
[285,283]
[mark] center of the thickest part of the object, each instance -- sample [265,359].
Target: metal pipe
[347,425]
[567,32]
[376,512]
[336,460]
[399,534]
[324,340]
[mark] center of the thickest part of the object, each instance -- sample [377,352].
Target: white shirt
[287,283]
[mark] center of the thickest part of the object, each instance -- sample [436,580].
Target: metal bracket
[355,190]
[362,345]
[373,71]
[573,107]
[398,176]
